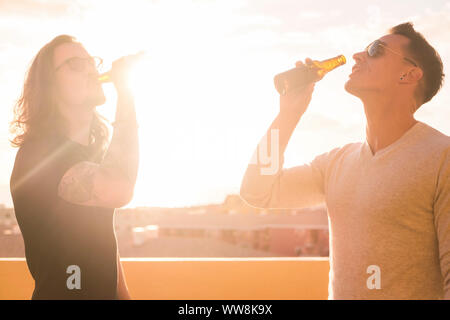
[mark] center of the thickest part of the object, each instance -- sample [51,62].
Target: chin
[97,100]
[358,87]
[351,87]
[101,100]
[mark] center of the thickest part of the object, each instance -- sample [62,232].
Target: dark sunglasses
[376,49]
[80,64]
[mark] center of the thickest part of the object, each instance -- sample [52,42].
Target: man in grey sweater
[388,198]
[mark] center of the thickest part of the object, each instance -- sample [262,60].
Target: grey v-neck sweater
[389,213]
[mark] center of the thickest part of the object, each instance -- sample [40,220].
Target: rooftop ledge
[287,278]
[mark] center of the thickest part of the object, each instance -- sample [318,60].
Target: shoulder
[336,155]
[33,156]
[32,152]
[434,137]
[28,153]
[347,148]
[341,151]
[433,149]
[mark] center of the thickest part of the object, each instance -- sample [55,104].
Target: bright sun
[204,96]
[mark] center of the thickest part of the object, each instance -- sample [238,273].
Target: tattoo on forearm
[122,157]
[120,162]
[77,185]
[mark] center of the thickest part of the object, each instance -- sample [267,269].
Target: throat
[383,137]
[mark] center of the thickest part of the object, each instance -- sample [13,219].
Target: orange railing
[199,278]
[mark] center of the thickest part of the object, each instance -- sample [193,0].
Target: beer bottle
[301,76]
[105,77]
[133,58]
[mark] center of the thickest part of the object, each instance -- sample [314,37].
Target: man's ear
[414,75]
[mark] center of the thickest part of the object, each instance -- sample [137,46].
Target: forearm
[122,157]
[267,160]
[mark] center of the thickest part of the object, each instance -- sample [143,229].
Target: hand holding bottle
[295,101]
[119,71]
[300,76]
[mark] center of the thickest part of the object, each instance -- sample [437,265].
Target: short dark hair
[427,59]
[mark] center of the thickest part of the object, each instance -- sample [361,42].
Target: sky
[205,95]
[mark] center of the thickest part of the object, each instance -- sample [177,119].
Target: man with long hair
[68,178]
[388,198]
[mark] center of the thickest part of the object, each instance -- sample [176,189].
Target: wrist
[289,117]
[124,95]
[122,88]
[125,123]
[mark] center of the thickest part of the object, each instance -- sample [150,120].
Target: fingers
[307,62]
[299,64]
[125,60]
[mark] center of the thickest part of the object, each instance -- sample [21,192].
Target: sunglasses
[81,64]
[376,49]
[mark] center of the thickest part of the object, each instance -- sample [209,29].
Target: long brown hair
[36,114]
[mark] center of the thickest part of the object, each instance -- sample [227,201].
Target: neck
[79,124]
[387,120]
